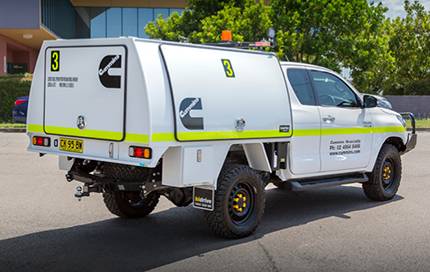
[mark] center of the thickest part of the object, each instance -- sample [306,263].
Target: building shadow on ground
[167,236]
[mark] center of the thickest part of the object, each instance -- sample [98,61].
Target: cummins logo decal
[187,105]
[108,62]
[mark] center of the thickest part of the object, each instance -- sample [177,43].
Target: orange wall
[16,53]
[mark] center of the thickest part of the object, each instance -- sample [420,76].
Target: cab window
[332,91]
[302,87]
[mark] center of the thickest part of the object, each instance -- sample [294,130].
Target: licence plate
[71,145]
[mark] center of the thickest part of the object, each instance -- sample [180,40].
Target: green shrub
[11,87]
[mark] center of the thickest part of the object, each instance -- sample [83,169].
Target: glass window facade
[60,17]
[114,22]
[98,23]
[129,22]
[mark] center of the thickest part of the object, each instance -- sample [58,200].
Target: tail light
[41,141]
[140,152]
[19,102]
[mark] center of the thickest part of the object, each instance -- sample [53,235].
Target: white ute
[135,119]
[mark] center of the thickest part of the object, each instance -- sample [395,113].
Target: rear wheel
[384,181]
[239,202]
[130,204]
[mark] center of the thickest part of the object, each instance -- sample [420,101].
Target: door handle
[367,124]
[328,119]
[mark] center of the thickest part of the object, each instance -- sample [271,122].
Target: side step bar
[308,184]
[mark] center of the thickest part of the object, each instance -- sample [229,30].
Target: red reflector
[140,152]
[19,102]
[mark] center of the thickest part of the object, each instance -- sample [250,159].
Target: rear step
[327,182]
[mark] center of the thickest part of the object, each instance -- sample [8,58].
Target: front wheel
[130,204]
[384,181]
[239,202]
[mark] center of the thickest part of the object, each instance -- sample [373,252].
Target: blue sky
[395,7]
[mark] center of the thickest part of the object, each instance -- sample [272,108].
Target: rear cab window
[302,86]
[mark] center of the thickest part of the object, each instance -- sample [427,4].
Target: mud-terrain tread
[125,173]
[119,206]
[216,219]
[373,188]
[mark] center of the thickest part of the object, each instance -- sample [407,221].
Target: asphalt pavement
[44,228]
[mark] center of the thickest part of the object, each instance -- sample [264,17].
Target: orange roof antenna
[226,36]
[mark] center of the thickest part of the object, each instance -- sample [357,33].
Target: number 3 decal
[55,61]
[228,68]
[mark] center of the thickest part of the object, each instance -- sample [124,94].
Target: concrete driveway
[44,228]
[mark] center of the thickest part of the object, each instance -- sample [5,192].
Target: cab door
[346,127]
[305,143]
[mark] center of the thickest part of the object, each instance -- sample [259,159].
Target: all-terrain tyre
[130,204]
[239,202]
[384,181]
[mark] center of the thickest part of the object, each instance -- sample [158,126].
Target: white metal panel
[198,165]
[158,99]
[172,167]
[193,165]
[383,118]
[65,163]
[207,100]
[256,156]
[90,82]
[304,149]
[36,102]
[343,150]
[304,157]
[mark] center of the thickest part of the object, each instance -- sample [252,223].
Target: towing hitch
[86,190]
[81,191]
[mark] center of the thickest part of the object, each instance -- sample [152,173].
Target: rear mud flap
[204,198]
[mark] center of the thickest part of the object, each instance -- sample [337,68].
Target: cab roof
[303,65]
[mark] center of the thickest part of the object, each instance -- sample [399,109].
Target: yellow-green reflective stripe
[137,138]
[163,137]
[212,135]
[388,129]
[224,135]
[156,137]
[34,128]
[341,131]
[306,132]
[90,133]
[130,137]
[344,131]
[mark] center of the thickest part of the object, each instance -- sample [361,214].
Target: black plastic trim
[317,183]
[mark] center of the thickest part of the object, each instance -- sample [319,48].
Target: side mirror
[370,101]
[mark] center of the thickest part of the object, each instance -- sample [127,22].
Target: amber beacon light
[226,36]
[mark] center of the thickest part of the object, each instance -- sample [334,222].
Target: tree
[410,46]
[203,19]
[373,67]
[248,22]
[383,55]
[332,33]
